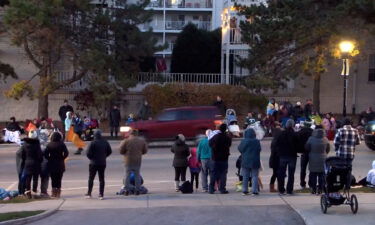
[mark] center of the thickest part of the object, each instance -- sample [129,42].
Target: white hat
[33,134]
[298,103]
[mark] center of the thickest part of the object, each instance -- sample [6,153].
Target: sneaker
[289,193]
[224,192]
[211,192]
[28,194]
[101,197]
[245,193]
[282,193]
[255,194]
[88,196]
[177,190]
[204,191]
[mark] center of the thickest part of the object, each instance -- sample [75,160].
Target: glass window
[168,116]
[371,71]
[188,115]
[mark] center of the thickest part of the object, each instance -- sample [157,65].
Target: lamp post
[346,47]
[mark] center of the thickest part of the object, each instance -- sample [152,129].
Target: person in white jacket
[371,175]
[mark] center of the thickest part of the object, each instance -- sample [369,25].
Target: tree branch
[30,54]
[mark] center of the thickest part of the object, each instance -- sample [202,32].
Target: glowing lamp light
[346,46]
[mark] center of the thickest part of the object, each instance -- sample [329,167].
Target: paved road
[164,206]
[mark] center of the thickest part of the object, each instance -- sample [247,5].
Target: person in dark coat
[98,151]
[180,160]
[308,109]
[32,158]
[114,120]
[63,110]
[297,111]
[20,168]
[318,148]
[145,111]
[56,153]
[303,135]
[220,105]
[250,161]
[287,151]
[220,145]
[14,125]
[274,157]
[78,124]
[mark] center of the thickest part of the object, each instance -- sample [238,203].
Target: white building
[171,16]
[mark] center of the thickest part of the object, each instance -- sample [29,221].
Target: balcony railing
[179,25]
[197,78]
[235,36]
[181,4]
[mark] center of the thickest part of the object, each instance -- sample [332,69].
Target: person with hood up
[287,151]
[318,148]
[204,154]
[56,152]
[250,164]
[97,152]
[195,168]
[180,160]
[31,159]
[133,148]
[220,145]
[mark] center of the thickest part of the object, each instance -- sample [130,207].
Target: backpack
[186,188]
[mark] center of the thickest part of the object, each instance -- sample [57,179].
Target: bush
[177,95]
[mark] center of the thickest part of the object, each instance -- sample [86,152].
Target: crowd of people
[207,162]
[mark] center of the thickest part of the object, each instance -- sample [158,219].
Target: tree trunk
[43,106]
[316,93]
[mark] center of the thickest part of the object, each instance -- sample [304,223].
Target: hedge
[176,95]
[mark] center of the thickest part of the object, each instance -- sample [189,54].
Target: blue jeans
[219,174]
[290,163]
[206,170]
[246,174]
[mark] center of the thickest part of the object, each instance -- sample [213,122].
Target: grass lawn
[358,189]
[18,215]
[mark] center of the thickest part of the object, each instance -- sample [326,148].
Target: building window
[371,70]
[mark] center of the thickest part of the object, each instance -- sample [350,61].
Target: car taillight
[218,122]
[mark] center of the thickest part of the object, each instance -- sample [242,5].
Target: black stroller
[338,175]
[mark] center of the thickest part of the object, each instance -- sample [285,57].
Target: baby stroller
[232,123]
[89,126]
[337,177]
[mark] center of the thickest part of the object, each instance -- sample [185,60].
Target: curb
[295,210]
[31,219]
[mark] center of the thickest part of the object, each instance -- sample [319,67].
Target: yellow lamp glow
[346,46]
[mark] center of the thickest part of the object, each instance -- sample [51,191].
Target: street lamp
[346,48]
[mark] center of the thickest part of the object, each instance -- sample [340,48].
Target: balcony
[181,4]
[235,37]
[179,25]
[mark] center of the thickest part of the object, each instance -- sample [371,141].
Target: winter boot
[58,192]
[54,193]
[177,186]
[78,152]
[272,188]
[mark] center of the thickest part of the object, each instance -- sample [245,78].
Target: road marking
[11,186]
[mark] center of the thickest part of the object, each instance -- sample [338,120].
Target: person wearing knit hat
[287,151]
[180,160]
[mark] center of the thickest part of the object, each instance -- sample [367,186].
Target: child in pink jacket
[194,167]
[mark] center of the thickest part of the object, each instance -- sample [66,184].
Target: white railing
[66,75]
[196,4]
[179,25]
[197,78]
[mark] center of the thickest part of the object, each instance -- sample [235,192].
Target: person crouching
[133,148]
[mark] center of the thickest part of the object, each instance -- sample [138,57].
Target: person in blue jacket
[250,164]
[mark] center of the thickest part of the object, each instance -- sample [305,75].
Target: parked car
[190,121]
[370,135]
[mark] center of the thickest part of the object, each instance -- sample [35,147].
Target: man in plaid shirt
[345,141]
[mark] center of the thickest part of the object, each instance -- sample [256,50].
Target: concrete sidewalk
[200,209]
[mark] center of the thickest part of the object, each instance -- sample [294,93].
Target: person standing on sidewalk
[195,168]
[114,120]
[220,145]
[133,148]
[250,163]
[98,151]
[32,158]
[180,161]
[204,154]
[303,135]
[317,147]
[345,141]
[274,157]
[287,151]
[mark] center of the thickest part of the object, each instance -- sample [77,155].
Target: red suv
[189,121]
